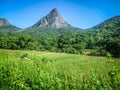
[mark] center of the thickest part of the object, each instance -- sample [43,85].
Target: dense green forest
[100,39]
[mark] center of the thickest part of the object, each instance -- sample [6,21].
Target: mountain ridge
[115,21]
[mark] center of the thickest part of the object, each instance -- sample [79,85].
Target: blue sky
[79,13]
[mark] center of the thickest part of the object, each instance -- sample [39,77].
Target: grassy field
[34,70]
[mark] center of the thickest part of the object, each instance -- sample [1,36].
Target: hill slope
[110,24]
[107,35]
[6,27]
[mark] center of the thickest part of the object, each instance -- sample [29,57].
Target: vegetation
[37,70]
[100,39]
[51,71]
[9,29]
[100,42]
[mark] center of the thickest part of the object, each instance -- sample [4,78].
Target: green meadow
[35,70]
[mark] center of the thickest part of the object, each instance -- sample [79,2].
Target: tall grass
[32,70]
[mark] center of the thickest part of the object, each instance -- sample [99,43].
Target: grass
[34,70]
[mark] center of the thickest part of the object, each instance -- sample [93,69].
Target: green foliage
[8,30]
[22,42]
[114,74]
[98,52]
[57,71]
[24,55]
[103,38]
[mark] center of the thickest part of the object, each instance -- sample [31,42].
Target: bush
[98,53]
[25,56]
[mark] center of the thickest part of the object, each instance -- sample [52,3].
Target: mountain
[4,22]
[52,20]
[108,28]
[51,25]
[6,27]
[106,36]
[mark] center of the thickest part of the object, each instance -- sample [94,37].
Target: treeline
[22,42]
[98,42]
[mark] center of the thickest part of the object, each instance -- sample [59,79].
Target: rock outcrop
[52,20]
[4,22]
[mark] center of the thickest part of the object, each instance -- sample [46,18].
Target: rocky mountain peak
[52,20]
[4,22]
[55,12]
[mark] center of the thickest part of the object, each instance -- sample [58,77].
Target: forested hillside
[101,39]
